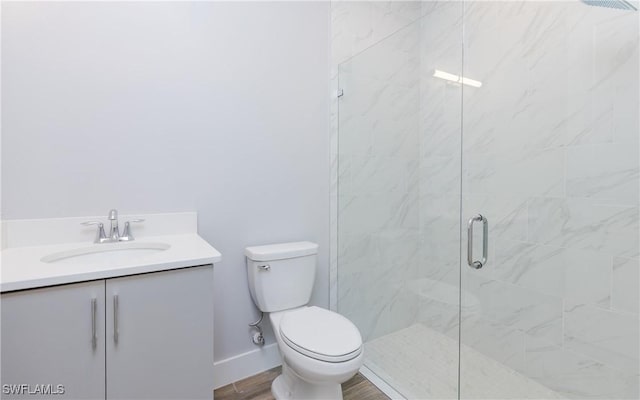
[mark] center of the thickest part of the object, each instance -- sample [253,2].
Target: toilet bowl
[320,349]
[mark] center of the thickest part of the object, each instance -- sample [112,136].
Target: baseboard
[245,365]
[381,384]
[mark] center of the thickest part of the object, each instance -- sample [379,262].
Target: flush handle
[265,267]
[485,242]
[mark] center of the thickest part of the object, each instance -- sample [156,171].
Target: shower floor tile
[421,363]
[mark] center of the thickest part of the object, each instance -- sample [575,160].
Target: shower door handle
[485,242]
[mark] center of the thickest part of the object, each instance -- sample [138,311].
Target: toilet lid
[321,334]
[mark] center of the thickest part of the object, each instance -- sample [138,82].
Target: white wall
[221,108]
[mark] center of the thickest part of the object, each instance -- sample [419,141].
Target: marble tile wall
[549,154]
[374,209]
[550,157]
[440,142]
[378,192]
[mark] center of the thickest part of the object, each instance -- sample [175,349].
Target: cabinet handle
[94,336]
[115,318]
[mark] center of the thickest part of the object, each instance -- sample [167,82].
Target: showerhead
[621,4]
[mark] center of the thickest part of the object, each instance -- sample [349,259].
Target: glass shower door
[399,202]
[550,160]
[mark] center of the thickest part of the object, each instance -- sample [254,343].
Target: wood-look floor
[258,387]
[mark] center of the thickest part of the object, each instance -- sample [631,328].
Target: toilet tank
[281,275]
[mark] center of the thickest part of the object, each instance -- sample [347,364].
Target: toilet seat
[321,334]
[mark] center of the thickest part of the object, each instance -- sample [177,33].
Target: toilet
[320,349]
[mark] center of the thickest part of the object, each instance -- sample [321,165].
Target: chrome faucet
[114,231]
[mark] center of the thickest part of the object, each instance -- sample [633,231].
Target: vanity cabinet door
[54,336]
[160,335]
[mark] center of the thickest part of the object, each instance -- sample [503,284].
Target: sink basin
[109,253]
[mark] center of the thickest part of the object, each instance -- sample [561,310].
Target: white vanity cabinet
[153,337]
[48,338]
[163,322]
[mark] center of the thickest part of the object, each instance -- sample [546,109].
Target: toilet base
[288,386]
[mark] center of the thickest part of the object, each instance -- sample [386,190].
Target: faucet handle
[101,236]
[87,223]
[113,214]
[126,235]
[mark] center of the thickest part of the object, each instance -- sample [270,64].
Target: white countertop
[22,267]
